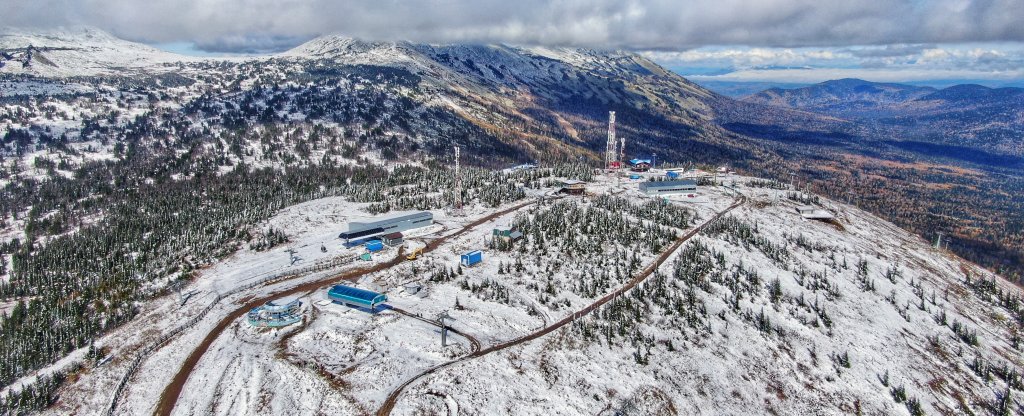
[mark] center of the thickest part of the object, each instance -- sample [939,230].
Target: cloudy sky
[740,40]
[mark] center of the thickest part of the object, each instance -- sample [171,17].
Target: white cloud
[634,24]
[1001,61]
[898,35]
[747,57]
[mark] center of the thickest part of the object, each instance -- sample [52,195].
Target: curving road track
[171,394]
[389,403]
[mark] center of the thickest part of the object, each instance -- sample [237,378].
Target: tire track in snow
[171,394]
[392,399]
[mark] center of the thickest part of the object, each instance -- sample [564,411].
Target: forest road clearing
[389,403]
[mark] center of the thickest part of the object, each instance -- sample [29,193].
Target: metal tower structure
[458,180]
[457,209]
[610,150]
[442,317]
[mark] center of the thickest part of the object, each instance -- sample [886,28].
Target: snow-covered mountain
[106,143]
[78,51]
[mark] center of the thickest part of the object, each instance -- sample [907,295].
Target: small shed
[353,296]
[507,234]
[393,239]
[412,287]
[812,213]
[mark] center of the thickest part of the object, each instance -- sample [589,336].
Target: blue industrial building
[362,230]
[356,297]
[668,187]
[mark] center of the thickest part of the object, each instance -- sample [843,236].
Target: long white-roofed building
[359,230]
[668,187]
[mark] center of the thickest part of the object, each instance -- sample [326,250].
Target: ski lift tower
[442,317]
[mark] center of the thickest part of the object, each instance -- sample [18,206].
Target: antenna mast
[610,150]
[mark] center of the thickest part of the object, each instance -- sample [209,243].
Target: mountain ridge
[502,104]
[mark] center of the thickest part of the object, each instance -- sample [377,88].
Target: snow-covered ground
[734,368]
[308,226]
[826,348]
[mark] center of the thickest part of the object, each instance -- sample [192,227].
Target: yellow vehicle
[415,253]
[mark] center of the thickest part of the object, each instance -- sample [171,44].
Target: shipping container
[374,246]
[472,258]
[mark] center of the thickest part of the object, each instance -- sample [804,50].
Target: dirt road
[171,393]
[389,403]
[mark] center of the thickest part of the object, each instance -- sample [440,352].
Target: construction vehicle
[415,253]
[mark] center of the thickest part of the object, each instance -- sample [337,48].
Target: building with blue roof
[640,165]
[354,296]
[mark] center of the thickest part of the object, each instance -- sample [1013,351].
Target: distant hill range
[967,115]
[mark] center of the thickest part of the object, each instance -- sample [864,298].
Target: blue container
[634,176]
[471,258]
[355,242]
[374,246]
[672,175]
